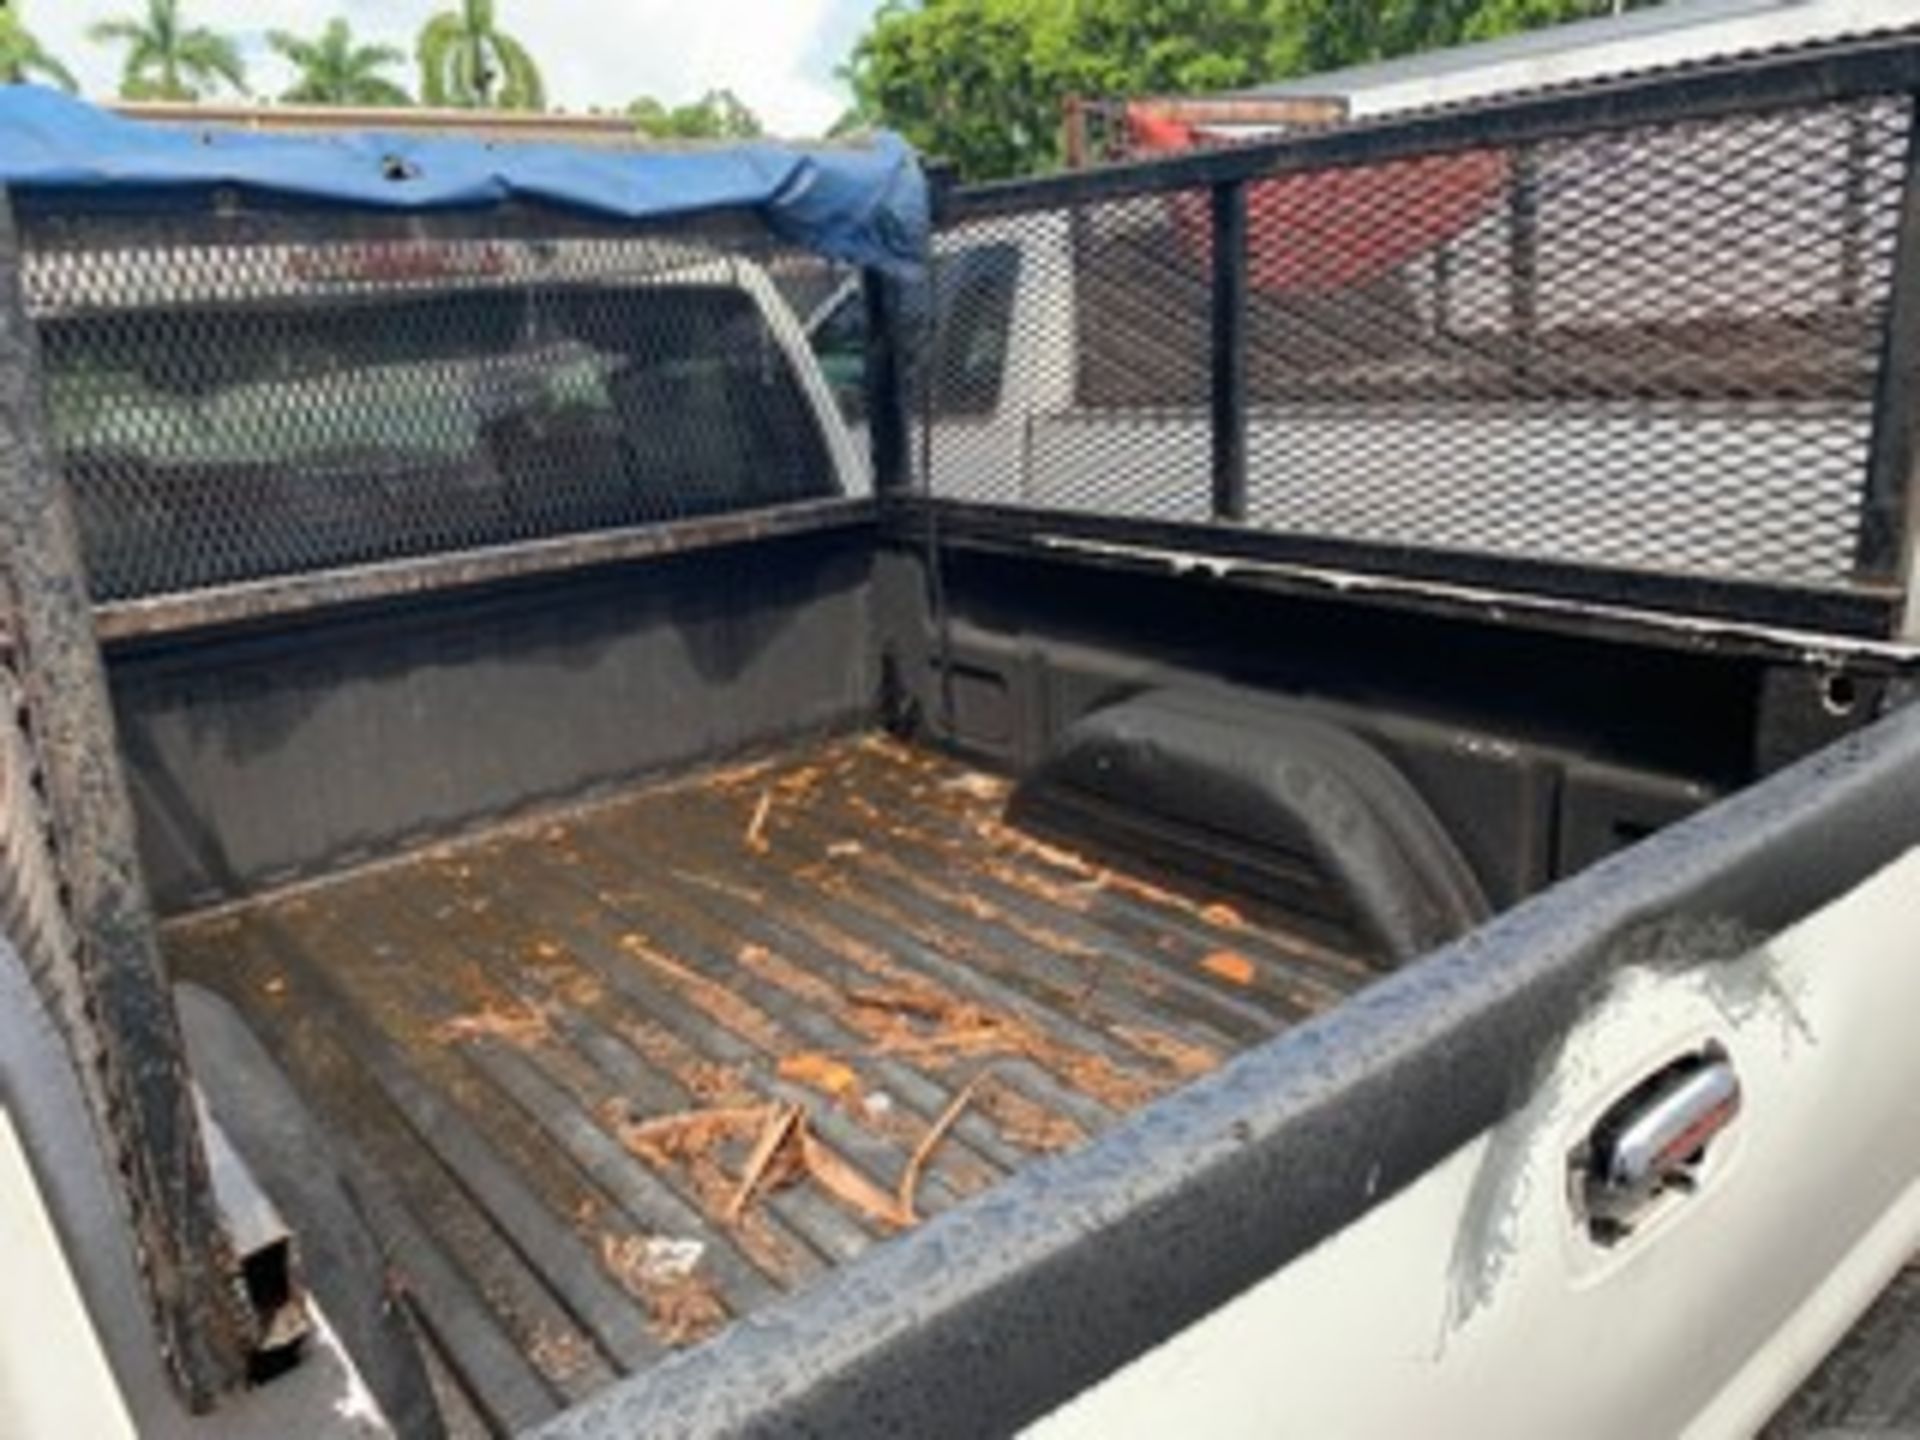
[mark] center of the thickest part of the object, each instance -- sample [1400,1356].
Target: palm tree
[335,71]
[22,57]
[168,59]
[466,60]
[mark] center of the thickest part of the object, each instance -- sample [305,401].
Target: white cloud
[592,52]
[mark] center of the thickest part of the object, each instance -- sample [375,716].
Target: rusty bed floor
[607,1079]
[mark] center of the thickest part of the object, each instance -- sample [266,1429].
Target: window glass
[216,443]
[973,317]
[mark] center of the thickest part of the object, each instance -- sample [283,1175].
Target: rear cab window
[964,314]
[215,442]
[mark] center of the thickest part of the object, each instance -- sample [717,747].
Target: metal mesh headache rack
[236,396]
[1637,341]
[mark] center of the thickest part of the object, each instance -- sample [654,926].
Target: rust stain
[1229,965]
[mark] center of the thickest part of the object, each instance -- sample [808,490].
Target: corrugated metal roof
[1673,33]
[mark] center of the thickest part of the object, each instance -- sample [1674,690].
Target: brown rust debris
[1184,1058]
[557,1354]
[761,1164]
[846,1184]
[1229,965]
[909,1189]
[756,837]
[936,1029]
[682,1306]
[668,1139]
[1024,1121]
[519,1023]
[821,1072]
[785,1150]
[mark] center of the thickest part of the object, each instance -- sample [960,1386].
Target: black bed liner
[488,1026]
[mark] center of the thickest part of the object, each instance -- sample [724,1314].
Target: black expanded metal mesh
[239,396]
[1068,361]
[1653,347]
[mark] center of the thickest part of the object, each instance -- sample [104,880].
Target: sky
[777,55]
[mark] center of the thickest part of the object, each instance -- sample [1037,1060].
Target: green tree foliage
[466,60]
[717,115]
[972,81]
[23,58]
[168,59]
[980,82]
[1494,18]
[333,70]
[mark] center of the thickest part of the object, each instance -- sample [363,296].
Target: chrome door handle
[1652,1142]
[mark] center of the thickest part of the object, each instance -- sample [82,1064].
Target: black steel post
[887,428]
[112,993]
[1230,351]
[1523,259]
[1886,506]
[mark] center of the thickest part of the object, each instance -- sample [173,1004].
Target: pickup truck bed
[549,1050]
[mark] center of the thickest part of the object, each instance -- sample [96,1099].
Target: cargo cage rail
[1645,344]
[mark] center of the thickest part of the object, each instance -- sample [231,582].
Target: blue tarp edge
[867,205]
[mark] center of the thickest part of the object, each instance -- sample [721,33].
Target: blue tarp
[867,205]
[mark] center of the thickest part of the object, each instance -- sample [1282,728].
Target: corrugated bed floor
[611,1078]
